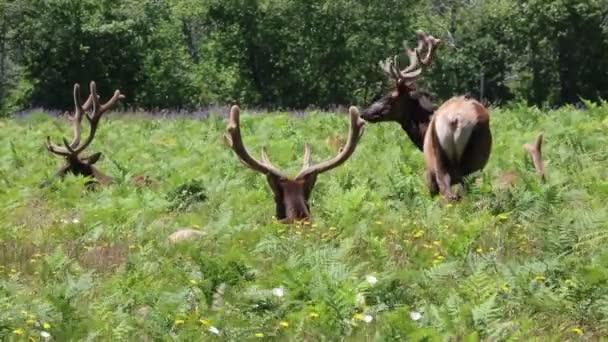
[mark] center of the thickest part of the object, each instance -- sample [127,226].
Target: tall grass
[515,259]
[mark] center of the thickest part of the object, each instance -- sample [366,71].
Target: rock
[185,235]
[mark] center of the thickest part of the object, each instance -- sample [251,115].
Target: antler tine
[97,111]
[535,152]
[233,137]
[356,130]
[388,66]
[306,159]
[431,43]
[416,63]
[76,119]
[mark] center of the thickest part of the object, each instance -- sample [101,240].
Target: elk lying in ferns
[70,151]
[455,137]
[291,194]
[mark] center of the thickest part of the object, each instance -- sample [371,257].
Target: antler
[233,137]
[415,68]
[356,130]
[74,148]
[535,152]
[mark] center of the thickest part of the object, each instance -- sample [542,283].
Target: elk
[291,195]
[455,138]
[71,151]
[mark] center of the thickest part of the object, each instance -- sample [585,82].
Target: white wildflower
[278,291]
[75,220]
[45,334]
[367,318]
[371,279]
[415,315]
[214,330]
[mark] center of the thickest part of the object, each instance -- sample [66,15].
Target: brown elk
[70,151]
[455,137]
[291,195]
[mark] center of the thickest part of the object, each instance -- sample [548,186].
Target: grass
[515,259]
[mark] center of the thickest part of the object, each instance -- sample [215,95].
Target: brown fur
[442,171]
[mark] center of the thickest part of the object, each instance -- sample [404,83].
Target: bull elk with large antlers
[70,151]
[291,195]
[455,137]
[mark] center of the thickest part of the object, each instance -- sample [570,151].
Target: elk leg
[477,153]
[431,183]
[442,173]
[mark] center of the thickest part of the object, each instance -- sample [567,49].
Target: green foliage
[297,54]
[381,261]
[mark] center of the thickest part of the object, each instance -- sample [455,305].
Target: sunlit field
[381,260]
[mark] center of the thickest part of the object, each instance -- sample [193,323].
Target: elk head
[291,194]
[71,151]
[406,104]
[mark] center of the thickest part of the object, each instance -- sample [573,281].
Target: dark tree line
[294,54]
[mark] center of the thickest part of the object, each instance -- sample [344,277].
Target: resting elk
[291,195]
[455,138]
[70,151]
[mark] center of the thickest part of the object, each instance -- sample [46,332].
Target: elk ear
[424,99]
[93,158]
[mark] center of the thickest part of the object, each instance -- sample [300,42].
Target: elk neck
[415,119]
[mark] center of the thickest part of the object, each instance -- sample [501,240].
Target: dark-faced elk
[291,195]
[75,163]
[455,137]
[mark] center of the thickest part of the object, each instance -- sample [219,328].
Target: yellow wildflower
[479,250]
[193,282]
[259,335]
[284,324]
[18,331]
[358,316]
[539,278]
[418,234]
[449,205]
[437,243]
[204,321]
[333,228]
[179,321]
[46,326]
[306,223]
[502,217]
[505,287]
[313,315]
[577,331]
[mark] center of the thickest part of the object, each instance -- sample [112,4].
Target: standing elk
[291,195]
[455,137]
[70,151]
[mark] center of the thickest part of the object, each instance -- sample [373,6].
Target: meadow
[515,259]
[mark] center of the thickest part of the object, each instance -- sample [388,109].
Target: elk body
[75,163]
[455,137]
[291,195]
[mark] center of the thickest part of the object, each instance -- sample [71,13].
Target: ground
[381,260]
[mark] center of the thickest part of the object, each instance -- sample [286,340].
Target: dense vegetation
[515,258]
[296,54]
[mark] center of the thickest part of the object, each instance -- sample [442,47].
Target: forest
[276,54]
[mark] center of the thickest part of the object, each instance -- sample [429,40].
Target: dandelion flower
[479,250]
[284,324]
[18,331]
[46,326]
[415,315]
[278,292]
[259,335]
[214,330]
[577,331]
[371,279]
